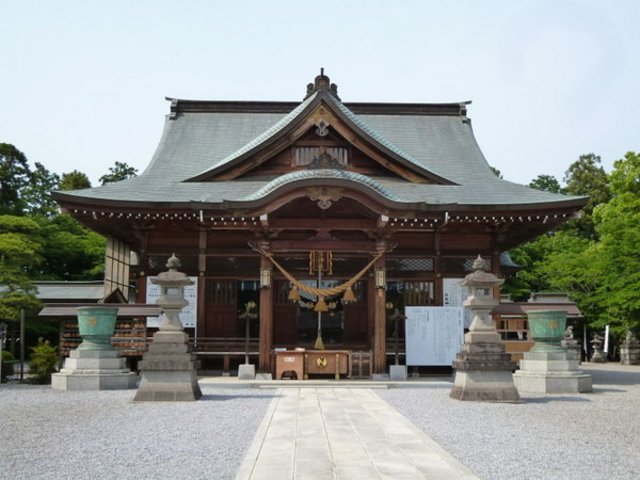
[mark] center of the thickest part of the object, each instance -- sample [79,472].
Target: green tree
[20,250]
[37,193]
[74,181]
[531,278]
[587,177]
[546,183]
[14,177]
[618,224]
[69,250]
[495,171]
[120,171]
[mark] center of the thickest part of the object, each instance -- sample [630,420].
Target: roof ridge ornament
[322,83]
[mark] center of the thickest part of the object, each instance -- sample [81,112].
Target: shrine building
[320,217]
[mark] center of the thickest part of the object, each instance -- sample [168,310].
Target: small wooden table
[334,362]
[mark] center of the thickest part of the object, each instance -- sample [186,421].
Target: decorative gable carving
[325,196]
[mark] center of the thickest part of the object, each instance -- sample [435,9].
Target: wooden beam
[323,224]
[359,246]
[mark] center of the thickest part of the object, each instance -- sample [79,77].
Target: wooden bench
[225,347]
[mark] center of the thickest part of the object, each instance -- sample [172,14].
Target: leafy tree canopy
[587,177]
[618,224]
[37,192]
[14,177]
[70,251]
[546,183]
[120,171]
[20,250]
[74,181]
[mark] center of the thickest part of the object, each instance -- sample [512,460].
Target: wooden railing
[227,348]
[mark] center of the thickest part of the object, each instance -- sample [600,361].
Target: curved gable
[321,111]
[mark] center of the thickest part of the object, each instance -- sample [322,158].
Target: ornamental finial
[480,264]
[173,263]
[322,83]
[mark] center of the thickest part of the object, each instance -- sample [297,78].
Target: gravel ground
[104,435]
[48,434]
[569,436]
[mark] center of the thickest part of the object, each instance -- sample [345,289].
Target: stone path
[342,433]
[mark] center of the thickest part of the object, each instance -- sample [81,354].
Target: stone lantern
[168,369]
[483,368]
[171,300]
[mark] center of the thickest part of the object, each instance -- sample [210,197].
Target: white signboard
[188,315]
[453,294]
[433,335]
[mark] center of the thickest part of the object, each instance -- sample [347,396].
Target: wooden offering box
[290,361]
[335,362]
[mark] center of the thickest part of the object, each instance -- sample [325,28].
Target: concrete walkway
[342,433]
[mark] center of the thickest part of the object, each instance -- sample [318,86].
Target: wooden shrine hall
[312,223]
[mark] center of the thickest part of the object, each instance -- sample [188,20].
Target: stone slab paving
[342,433]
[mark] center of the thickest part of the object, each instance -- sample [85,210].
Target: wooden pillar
[266,322]
[202,284]
[379,324]
[437,268]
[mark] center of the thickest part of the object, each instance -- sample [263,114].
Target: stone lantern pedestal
[168,368]
[630,350]
[483,368]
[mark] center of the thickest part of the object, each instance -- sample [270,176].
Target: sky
[83,82]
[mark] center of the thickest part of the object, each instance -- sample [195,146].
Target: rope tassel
[321,306]
[294,295]
[348,296]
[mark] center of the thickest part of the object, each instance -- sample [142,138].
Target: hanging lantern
[380,276]
[265,278]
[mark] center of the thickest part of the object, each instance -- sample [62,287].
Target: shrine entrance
[298,323]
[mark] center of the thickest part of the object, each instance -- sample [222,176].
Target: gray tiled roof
[197,142]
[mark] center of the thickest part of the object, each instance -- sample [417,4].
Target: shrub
[44,361]
[7,365]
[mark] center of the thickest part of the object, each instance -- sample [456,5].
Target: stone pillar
[168,368]
[482,368]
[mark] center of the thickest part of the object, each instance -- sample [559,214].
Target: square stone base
[94,370]
[397,373]
[556,382]
[484,386]
[168,386]
[97,381]
[246,372]
[551,372]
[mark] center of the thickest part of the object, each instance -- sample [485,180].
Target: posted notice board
[188,315]
[454,294]
[433,335]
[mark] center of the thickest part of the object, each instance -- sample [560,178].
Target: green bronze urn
[546,328]
[96,325]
